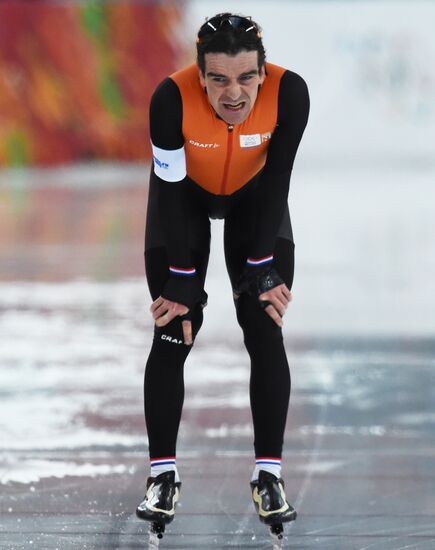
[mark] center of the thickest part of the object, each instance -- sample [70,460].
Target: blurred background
[75,82]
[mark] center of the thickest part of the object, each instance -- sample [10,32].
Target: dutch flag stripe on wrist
[182,270]
[161,461]
[260,261]
[268,460]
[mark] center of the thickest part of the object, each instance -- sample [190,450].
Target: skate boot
[270,502]
[158,505]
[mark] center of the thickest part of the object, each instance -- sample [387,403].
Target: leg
[164,373]
[269,394]
[270,376]
[164,377]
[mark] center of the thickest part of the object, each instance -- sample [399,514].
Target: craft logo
[204,145]
[171,339]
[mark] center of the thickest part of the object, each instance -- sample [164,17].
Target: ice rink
[359,447]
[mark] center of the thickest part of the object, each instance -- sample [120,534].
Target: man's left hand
[265,284]
[279,298]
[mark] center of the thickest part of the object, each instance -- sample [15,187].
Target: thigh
[237,240]
[156,258]
[198,220]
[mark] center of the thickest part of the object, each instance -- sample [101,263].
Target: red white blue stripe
[164,461]
[187,272]
[260,261]
[268,460]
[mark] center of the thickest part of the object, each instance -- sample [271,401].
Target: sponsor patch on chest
[254,140]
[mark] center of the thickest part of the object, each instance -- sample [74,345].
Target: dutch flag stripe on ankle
[182,270]
[260,261]
[268,460]
[162,461]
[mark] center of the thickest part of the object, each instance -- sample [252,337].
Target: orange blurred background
[76,78]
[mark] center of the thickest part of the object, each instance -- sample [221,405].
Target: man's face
[232,84]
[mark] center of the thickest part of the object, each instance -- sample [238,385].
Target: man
[224,135]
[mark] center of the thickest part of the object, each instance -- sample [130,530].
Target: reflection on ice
[22,470]
[75,380]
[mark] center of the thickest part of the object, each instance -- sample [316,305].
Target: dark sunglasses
[234,21]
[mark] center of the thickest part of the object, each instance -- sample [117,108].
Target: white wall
[362,196]
[370,67]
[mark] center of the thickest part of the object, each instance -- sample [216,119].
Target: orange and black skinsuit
[204,168]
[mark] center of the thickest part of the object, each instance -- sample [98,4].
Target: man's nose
[233,91]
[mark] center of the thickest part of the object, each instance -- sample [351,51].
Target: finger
[162,321]
[279,306]
[273,314]
[173,310]
[282,293]
[161,310]
[156,303]
[276,297]
[287,293]
[279,295]
[166,318]
[187,332]
[182,310]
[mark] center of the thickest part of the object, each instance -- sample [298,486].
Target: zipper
[228,158]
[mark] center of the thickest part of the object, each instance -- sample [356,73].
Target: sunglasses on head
[230,21]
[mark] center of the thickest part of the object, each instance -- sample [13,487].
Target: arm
[259,277]
[293,109]
[183,288]
[169,167]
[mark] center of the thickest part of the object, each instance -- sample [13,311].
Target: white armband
[169,165]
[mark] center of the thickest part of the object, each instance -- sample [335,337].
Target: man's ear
[201,78]
[262,74]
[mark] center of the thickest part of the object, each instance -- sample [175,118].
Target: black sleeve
[166,133]
[293,110]
[166,113]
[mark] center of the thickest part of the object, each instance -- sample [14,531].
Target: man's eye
[218,79]
[247,77]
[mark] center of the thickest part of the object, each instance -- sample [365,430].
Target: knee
[259,329]
[172,333]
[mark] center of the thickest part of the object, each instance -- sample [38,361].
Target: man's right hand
[164,311]
[179,297]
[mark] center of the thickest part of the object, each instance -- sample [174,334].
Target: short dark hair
[229,39]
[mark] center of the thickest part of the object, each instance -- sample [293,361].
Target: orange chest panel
[219,158]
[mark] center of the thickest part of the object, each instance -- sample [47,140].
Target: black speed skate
[158,505]
[270,502]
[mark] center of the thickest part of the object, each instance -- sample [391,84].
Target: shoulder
[166,116]
[292,84]
[293,97]
[166,93]
[286,76]
[173,87]
[289,85]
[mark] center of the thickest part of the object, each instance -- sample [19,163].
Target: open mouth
[234,106]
